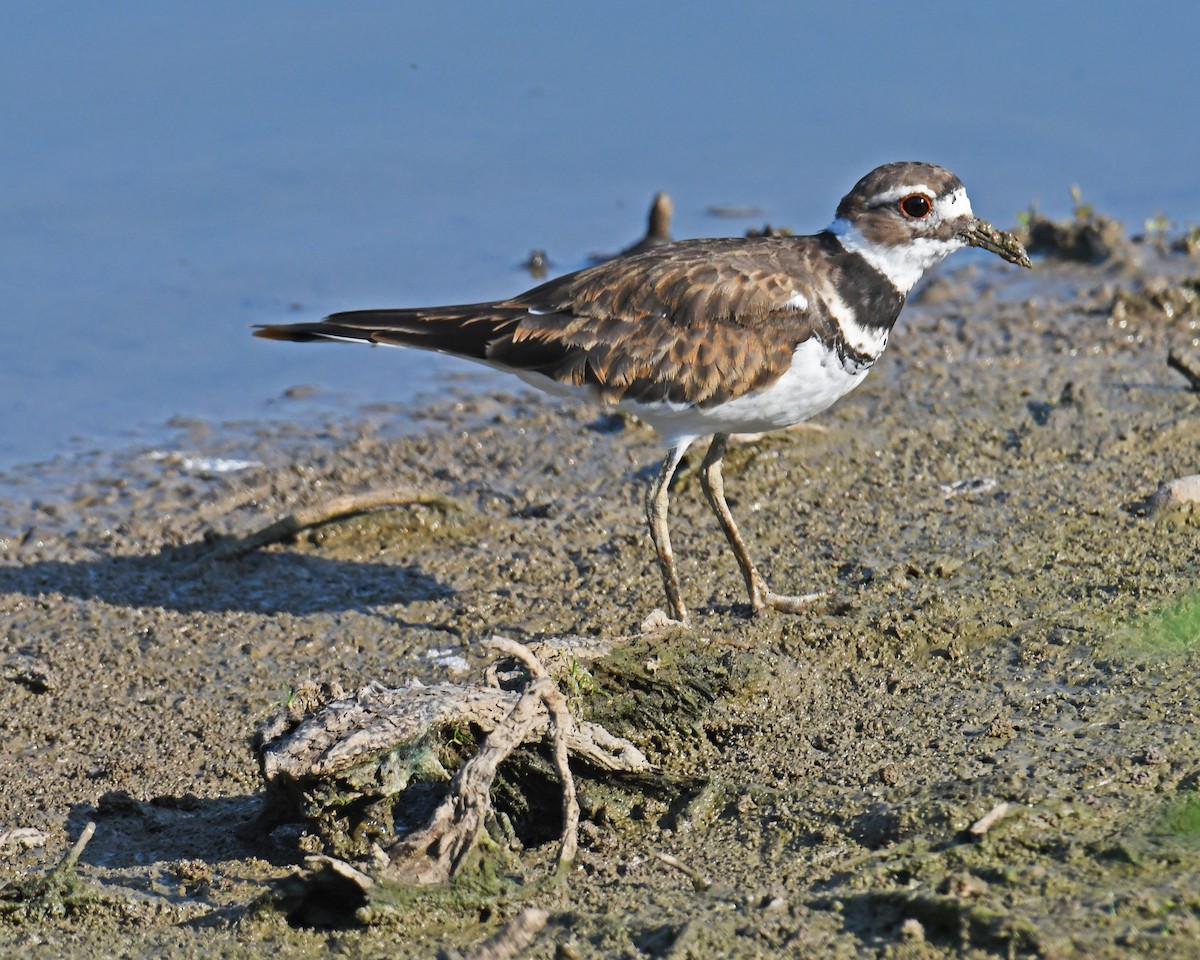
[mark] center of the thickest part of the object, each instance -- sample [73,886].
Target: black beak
[983,234]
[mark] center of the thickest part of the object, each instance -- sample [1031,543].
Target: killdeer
[711,337]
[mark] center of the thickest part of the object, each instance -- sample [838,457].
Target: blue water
[171,174]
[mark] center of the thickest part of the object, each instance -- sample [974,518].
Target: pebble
[1174,494]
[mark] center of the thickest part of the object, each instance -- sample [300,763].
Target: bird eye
[916,206]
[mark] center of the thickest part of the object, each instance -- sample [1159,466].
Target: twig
[516,935]
[1185,366]
[560,720]
[72,858]
[988,820]
[50,894]
[230,547]
[699,881]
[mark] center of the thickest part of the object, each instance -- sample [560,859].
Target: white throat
[903,265]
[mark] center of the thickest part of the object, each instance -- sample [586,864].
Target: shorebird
[712,336]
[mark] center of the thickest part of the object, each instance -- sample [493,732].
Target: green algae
[58,893]
[1171,632]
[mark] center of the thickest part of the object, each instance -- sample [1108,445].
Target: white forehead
[955,204]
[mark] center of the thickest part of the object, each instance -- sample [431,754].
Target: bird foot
[785,603]
[659,621]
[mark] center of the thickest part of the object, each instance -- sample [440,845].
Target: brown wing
[698,321]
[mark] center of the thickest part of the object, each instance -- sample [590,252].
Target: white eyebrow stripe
[953,204]
[897,193]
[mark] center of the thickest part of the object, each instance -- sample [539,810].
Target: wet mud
[983,742]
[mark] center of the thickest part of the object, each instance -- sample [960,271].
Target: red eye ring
[916,206]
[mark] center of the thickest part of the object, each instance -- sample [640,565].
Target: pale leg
[657,500]
[714,489]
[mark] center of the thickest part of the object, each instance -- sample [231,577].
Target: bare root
[435,853]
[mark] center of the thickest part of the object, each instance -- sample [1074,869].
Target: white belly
[814,381]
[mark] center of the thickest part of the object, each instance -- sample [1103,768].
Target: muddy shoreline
[1005,625]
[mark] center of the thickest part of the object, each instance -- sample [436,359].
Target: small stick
[518,651]
[66,866]
[989,819]
[1185,366]
[699,882]
[516,935]
[84,838]
[232,547]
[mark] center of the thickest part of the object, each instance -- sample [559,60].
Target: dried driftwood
[326,750]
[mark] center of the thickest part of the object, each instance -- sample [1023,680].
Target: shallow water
[172,176]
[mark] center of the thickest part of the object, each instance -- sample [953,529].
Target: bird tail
[466,330]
